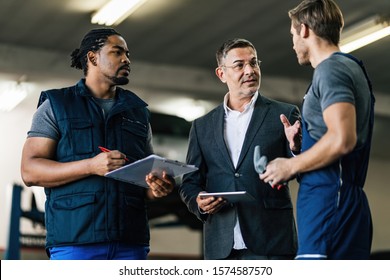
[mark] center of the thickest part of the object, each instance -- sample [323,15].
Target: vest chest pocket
[134,127]
[81,136]
[134,135]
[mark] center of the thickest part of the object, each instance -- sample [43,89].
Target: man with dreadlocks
[89,216]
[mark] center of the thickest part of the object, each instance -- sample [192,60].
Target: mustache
[252,78]
[125,67]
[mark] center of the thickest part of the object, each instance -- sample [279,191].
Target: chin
[121,81]
[253,90]
[304,63]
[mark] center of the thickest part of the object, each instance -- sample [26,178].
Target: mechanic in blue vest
[87,215]
[333,214]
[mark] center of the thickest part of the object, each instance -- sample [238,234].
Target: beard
[303,58]
[119,81]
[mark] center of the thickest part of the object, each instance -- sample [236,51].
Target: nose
[250,67]
[126,60]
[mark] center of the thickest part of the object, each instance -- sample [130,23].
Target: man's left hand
[159,186]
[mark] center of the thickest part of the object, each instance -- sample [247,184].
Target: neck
[322,51]
[100,89]
[238,103]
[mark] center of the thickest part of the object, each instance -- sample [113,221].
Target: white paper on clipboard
[136,172]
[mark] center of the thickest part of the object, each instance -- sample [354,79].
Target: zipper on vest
[134,121]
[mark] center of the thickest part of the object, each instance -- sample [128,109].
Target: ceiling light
[364,33]
[12,93]
[115,11]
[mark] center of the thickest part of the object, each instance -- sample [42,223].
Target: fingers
[106,161]
[118,155]
[113,156]
[217,207]
[165,182]
[210,205]
[285,121]
[269,176]
[297,127]
[160,186]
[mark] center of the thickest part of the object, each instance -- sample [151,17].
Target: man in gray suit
[222,144]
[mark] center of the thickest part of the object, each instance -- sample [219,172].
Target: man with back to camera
[89,216]
[333,214]
[222,145]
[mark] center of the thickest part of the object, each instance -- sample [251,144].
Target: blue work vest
[96,209]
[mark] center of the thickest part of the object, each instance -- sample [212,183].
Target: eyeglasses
[239,66]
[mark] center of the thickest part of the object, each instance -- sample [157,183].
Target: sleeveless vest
[96,209]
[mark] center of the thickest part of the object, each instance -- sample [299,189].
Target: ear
[220,74]
[305,31]
[92,57]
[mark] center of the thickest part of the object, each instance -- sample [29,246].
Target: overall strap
[361,65]
[359,155]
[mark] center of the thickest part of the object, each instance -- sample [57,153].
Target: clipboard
[136,172]
[237,196]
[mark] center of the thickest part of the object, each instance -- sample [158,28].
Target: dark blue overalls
[333,215]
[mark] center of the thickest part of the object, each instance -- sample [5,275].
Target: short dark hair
[232,44]
[94,40]
[324,17]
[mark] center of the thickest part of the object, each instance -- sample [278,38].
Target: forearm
[49,173]
[339,139]
[328,149]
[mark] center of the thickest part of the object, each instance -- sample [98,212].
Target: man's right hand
[210,205]
[107,161]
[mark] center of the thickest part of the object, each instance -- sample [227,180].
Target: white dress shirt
[236,124]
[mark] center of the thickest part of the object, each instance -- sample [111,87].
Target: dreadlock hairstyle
[94,40]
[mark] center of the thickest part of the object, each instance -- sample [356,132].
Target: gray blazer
[267,224]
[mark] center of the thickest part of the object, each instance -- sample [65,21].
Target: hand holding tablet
[237,196]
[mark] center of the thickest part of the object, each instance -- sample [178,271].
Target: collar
[123,96]
[248,106]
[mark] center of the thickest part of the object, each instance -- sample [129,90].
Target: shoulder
[276,104]
[53,93]
[44,111]
[275,108]
[210,115]
[130,97]
[334,67]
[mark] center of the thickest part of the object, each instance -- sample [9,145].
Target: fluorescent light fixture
[115,11]
[12,93]
[364,33]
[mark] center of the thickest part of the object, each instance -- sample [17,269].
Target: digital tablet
[237,196]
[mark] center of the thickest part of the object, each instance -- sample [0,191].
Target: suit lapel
[218,126]
[260,111]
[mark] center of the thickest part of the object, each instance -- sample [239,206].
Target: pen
[105,150]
